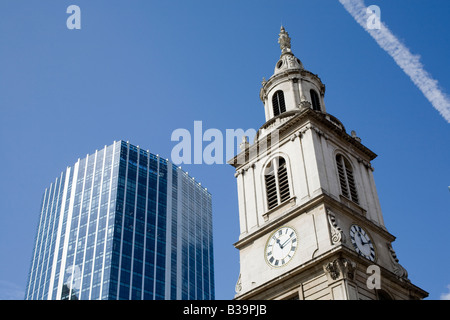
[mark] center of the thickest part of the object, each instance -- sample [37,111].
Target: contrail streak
[409,63]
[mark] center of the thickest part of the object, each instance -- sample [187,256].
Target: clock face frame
[281,246]
[362,242]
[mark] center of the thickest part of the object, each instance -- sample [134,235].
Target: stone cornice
[322,199]
[336,253]
[322,123]
[287,75]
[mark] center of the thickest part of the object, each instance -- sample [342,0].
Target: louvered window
[346,179]
[315,101]
[278,103]
[271,186]
[277,182]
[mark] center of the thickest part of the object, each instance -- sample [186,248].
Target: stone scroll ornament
[337,235]
[238,287]
[398,268]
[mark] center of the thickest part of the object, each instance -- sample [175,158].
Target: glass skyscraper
[123,223]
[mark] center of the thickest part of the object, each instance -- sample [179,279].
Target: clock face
[362,243]
[281,246]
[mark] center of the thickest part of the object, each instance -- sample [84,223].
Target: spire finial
[284,41]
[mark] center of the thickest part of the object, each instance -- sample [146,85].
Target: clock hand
[278,241]
[360,238]
[368,240]
[282,246]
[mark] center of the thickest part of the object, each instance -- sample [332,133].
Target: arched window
[277,183]
[346,179]
[383,295]
[278,103]
[315,101]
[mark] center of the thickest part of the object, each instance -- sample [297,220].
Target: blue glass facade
[123,224]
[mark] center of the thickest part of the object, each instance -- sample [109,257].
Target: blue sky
[138,70]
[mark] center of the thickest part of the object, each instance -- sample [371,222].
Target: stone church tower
[311,225]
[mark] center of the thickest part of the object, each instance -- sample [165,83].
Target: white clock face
[281,246]
[362,243]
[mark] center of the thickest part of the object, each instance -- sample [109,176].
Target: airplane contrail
[407,61]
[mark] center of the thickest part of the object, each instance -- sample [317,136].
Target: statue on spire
[284,41]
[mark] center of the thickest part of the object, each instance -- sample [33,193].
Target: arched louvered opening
[315,100]
[346,179]
[278,103]
[383,295]
[271,188]
[283,181]
[277,182]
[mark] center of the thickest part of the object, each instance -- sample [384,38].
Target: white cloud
[11,291]
[408,62]
[446,296]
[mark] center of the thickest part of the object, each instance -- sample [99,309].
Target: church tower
[311,225]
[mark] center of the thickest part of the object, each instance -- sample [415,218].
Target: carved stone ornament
[263,82]
[398,268]
[354,136]
[284,40]
[349,268]
[320,133]
[293,62]
[238,287]
[365,163]
[238,172]
[244,144]
[340,268]
[332,269]
[295,135]
[337,235]
[304,103]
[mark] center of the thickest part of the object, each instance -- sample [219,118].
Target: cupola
[291,87]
